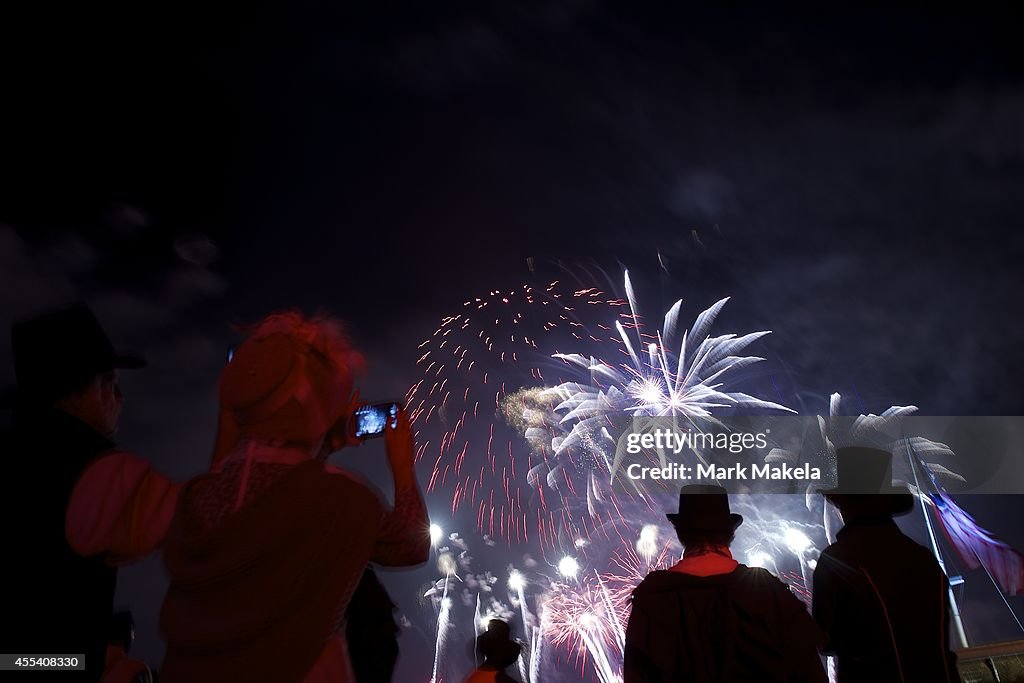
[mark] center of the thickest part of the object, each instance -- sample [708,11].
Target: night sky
[854,181]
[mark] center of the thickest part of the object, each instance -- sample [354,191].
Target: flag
[979,547]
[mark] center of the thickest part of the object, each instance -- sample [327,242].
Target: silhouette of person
[881,598]
[267,549]
[371,631]
[499,652]
[710,619]
[74,506]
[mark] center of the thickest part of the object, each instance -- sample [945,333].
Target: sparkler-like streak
[442,631]
[582,619]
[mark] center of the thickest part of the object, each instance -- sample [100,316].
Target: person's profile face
[109,400]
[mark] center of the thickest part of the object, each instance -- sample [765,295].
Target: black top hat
[497,646]
[704,508]
[58,352]
[865,482]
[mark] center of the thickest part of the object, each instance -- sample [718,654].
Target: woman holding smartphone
[267,549]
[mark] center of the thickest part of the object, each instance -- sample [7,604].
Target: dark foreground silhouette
[882,599]
[710,619]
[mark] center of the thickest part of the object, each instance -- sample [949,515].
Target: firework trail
[629,567]
[442,630]
[483,371]
[689,383]
[582,619]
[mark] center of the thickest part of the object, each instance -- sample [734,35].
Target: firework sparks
[568,567]
[476,364]
[583,619]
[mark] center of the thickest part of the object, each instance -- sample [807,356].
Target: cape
[884,602]
[727,628]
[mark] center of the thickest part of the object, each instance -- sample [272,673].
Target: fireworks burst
[513,435]
[583,619]
[480,364]
[689,384]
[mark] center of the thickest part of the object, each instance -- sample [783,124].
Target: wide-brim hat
[865,482]
[57,352]
[704,507]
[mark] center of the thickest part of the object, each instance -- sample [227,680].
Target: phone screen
[372,419]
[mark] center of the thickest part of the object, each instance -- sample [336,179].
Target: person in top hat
[882,599]
[710,619]
[499,652]
[74,506]
[267,548]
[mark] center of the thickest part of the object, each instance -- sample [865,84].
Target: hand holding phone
[371,420]
[390,421]
[401,450]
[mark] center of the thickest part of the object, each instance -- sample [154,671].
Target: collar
[716,561]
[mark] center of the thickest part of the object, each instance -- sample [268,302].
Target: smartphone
[372,419]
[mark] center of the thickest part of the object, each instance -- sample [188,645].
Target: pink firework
[582,619]
[629,568]
[484,369]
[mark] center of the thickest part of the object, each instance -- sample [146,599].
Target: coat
[264,555]
[73,508]
[883,601]
[741,626]
[55,600]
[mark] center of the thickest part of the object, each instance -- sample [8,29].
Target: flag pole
[954,608]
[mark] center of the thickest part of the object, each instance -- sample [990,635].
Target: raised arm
[404,539]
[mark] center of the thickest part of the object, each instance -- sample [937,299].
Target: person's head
[697,541]
[497,646]
[97,402]
[704,521]
[866,489]
[65,360]
[291,382]
[861,507]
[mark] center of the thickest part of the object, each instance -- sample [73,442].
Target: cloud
[31,284]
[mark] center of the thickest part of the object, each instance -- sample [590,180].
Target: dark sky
[854,181]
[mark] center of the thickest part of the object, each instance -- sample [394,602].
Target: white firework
[882,432]
[686,379]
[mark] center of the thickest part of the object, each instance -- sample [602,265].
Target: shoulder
[758,577]
[761,582]
[652,583]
